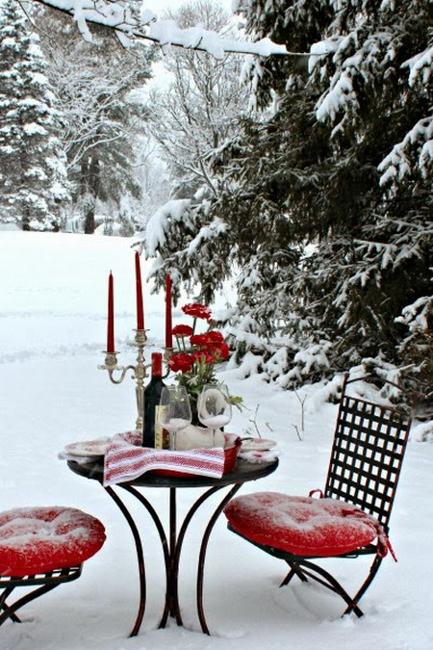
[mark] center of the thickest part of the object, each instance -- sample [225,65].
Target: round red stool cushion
[36,540]
[301,525]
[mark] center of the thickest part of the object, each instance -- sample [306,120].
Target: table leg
[202,556]
[140,558]
[172,549]
[164,545]
[172,596]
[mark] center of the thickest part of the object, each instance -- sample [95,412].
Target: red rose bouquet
[197,355]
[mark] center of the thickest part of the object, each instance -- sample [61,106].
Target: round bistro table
[172,546]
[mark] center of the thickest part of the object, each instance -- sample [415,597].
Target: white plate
[257,444]
[87,447]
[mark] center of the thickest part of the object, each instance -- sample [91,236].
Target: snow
[19,526]
[52,332]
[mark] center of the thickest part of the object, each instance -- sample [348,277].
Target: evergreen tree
[33,185]
[326,204]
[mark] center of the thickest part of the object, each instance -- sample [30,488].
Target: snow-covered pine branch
[145,26]
[158,225]
[418,145]
[360,63]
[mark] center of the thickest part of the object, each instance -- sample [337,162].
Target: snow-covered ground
[52,331]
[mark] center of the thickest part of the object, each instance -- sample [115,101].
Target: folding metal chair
[351,517]
[43,548]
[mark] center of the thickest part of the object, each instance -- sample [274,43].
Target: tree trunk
[92,183]
[89,221]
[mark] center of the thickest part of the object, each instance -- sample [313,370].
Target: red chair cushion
[301,525]
[37,540]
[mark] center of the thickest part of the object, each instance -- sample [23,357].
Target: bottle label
[162,439]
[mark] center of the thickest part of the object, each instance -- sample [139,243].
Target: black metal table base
[172,542]
[172,549]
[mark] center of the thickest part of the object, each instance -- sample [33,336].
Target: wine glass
[213,408]
[175,412]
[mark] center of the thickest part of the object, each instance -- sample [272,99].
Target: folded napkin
[125,459]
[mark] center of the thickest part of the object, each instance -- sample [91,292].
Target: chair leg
[328,581]
[10,614]
[294,570]
[365,585]
[11,609]
[3,604]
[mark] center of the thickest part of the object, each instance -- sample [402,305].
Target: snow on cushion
[36,540]
[302,525]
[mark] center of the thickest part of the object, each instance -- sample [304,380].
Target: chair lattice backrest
[369,445]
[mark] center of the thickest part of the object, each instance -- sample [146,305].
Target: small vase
[195,421]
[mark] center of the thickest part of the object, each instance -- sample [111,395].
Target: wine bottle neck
[156,365]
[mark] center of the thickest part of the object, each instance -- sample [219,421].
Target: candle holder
[138,373]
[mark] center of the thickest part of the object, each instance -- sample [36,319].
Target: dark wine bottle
[152,395]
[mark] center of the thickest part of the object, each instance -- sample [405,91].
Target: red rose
[181,361]
[182,330]
[214,336]
[196,310]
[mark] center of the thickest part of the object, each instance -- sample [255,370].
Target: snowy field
[52,332]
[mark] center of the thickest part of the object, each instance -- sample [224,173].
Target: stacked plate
[257,444]
[90,449]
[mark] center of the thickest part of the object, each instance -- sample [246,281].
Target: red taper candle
[168,319]
[139,292]
[110,321]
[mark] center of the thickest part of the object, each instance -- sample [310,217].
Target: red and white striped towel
[125,459]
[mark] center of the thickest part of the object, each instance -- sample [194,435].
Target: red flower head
[220,351]
[196,310]
[182,330]
[214,336]
[183,362]
[199,339]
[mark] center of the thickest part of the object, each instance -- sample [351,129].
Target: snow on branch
[420,66]
[396,164]
[415,315]
[158,224]
[130,26]
[353,60]
[359,62]
[211,231]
